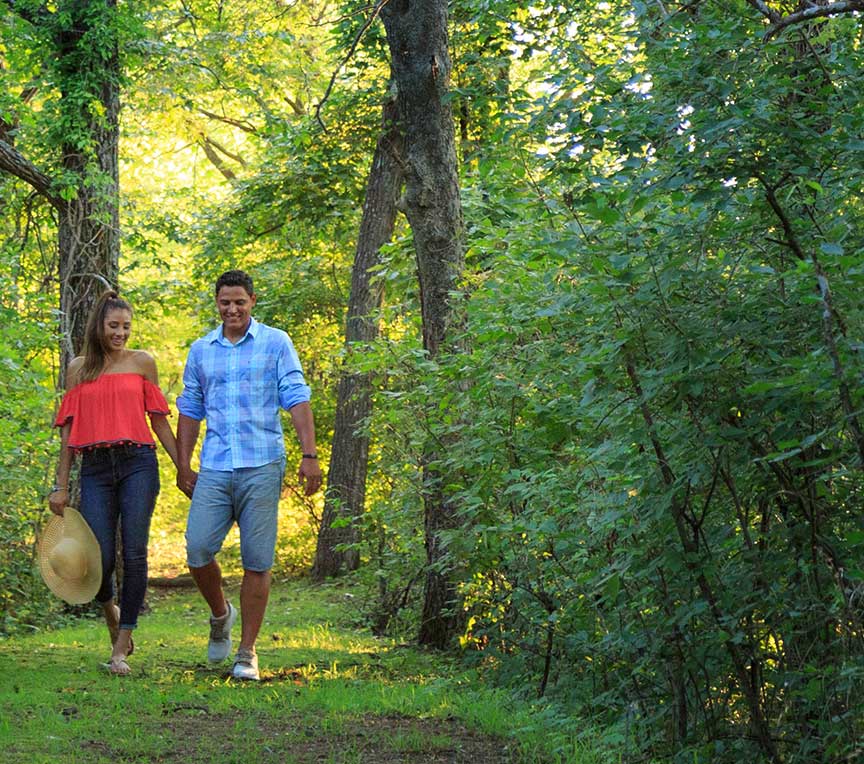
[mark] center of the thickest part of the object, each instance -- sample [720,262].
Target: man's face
[235,307]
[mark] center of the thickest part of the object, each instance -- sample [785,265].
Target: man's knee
[199,554]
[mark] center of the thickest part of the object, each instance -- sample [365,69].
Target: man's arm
[187,437]
[294,396]
[309,473]
[191,410]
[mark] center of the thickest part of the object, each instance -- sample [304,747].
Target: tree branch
[769,13]
[221,149]
[813,12]
[215,159]
[374,15]
[779,22]
[245,126]
[15,163]
[296,105]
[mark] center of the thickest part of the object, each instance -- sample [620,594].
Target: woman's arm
[58,499]
[162,428]
[159,422]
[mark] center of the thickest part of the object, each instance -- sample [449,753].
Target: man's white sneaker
[219,647]
[245,665]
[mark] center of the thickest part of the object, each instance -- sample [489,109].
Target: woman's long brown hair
[94,334]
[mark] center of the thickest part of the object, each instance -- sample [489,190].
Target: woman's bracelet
[56,488]
[310,456]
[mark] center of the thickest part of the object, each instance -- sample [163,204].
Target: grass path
[329,693]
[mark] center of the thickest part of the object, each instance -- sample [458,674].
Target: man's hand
[186,479]
[309,475]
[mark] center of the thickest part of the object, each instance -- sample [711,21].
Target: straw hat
[69,558]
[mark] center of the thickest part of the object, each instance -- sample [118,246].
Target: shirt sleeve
[292,385]
[191,401]
[68,407]
[154,399]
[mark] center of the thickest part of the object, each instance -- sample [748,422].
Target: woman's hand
[57,501]
[186,480]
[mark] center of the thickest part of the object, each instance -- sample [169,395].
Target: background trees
[64,77]
[649,438]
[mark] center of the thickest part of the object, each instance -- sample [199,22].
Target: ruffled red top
[110,410]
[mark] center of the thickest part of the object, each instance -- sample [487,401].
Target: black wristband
[310,456]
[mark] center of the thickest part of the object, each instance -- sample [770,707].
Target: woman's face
[116,329]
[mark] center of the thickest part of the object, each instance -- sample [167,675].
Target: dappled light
[576,291]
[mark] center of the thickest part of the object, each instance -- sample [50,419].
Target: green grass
[329,692]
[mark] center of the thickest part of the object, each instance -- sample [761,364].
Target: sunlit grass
[323,680]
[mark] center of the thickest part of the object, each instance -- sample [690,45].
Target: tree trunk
[420,62]
[89,229]
[83,185]
[346,479]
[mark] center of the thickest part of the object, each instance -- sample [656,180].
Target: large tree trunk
[86,68]
[346,479]
[420,61]
[89,231]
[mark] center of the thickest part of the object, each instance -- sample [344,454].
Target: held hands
[57,501]
[309,475]
[186,479]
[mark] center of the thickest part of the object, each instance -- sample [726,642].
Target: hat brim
[72,524]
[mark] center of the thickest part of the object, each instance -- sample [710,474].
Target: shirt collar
[217,336]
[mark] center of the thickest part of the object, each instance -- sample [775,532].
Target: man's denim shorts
[248,496]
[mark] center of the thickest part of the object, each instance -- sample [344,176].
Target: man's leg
[257,492]
[254,593]
[210,517]
[208,579]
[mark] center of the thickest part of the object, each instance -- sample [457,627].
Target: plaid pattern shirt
[238,388]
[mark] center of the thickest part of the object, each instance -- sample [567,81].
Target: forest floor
[329,692]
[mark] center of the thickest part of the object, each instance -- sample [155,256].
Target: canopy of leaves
[656,405]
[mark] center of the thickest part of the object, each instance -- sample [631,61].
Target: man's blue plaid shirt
[238,389]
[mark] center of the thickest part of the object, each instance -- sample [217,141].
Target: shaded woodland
[578,294]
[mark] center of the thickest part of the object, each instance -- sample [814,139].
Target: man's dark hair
[235,278]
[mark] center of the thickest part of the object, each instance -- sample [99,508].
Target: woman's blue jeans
[120,483]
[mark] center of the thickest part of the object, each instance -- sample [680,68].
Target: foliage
[25,405]
[657,462]
[654,420]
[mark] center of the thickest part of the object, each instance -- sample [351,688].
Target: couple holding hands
[237,378]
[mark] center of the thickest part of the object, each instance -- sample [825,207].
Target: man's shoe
[219,647]
[245,665]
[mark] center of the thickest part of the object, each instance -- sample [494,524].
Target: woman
[109,390]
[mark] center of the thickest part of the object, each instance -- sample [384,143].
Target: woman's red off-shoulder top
[110,410]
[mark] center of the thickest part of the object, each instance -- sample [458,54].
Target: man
[236,378]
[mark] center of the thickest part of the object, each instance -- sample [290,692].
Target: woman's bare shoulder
[144,363]
[72,371]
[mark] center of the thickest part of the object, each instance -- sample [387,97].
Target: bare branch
[814,12]
[779,22]
[374,15]
[296,105]
[242,124]
[207,145]
[15,163]
[222,150]
[769,13]
[791,239]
